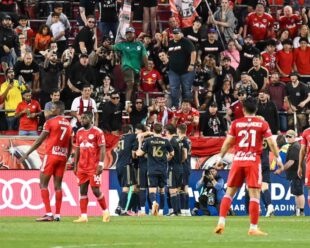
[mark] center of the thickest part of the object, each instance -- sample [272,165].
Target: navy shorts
[297,186]
[141,175]
[126,176]
[174,180]
[158,180]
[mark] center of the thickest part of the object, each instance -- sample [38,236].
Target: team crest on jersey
[33,106]
[153,75]
[138,48]
[264,20]
[91,136]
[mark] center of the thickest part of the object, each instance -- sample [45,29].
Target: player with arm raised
[89,164]
[247,134]
[57,133]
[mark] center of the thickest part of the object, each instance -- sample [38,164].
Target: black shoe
[194,212]
[45,218]
[172,214]
[118,210]
[56,218]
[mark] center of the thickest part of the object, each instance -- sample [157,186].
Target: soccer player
[57,132]
[174,169]
[158,151]
[186,165]
[247,135]
[89,164]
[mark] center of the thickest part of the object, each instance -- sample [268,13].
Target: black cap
[213,104]
[211,30]
[303,39]
[130,30]
[198,19]
[294,73]
[6,17]
[249,36]
[176,31]
[83,55]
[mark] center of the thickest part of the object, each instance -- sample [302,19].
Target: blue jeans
[106,27]
[283,122]
[12,122]
[27,133]
[177,81]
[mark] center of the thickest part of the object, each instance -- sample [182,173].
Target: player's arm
[76,159]
[140,152]
[35,145]
[302,154]
[225,147]
[100,166]
[184,154]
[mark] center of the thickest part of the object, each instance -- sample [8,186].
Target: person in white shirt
[58,31]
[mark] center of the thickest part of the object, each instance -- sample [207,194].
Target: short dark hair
[89,114]
[55,14]
[182,128]
[280,140]
[26,91]
[115,92]
[158,128]
[250,105]
[127,128]
[170,128]
[55,91]
[186,100]
[86,85]
[141,127]
[90,16]
[59,105]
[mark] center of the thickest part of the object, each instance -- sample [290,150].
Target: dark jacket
[270,113]
[111,117]
[9,38]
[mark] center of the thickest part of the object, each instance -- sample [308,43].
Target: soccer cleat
[270,211]
[155,209]
[81,220]
[141,214]
[45,218]
[256,232]
[172,214]
[219,229]
[131,213]
[106,216]
[118,210]
[56,218]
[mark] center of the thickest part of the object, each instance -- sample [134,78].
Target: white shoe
[270,210]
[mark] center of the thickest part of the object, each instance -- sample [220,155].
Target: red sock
[58,200]
[101,202]
[83,204]
[46,200]
[225,206]
[254,210]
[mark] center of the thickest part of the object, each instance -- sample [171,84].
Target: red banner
[20,194]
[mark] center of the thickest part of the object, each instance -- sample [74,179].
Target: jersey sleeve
[303,139]
[100,138]
[77,137]
[232,130]
[145,146]
[47,126]
[266,130]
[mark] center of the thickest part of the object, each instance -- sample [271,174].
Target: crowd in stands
[195,74]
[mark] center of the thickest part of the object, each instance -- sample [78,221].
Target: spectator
[225,19]
[277,93]
[247,54]
[132,59]
[285,61]
[24,48]
[268,110]
[42,39]
[282,36]
[227,72]
[224,97]
[233,53]
[58,33]
[149,16]
[302,61]
[167,33]
[269,56]
[82,104]
[86,8]
[137,112]
[24,29]
[28,71]
[260,25]
[159,112]
[164,67]
[258,73]
[247,84]
[210,46]
[11,94]
[8,41]
[108,17]
[58,9]
[102,92]
[303,33]
[86,40]
[28,112]
[236,108]
[48,108]
[111,116]
[182,58]
[212,123]
[194,33]
[187,115]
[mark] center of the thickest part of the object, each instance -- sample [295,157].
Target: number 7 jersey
[249,133]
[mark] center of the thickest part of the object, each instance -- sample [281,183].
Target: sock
[246,201]
[225,206]
[101,201]
[173,198]
[266,198]
[182,199]
[301,210]
[83,204]
[186,203]
[142,197]
[169,200]
[46,200]
[58,200]
[161,200]
[254,211]
[124,197]
[148,198]
[152,198]
[135,201]
[178,203]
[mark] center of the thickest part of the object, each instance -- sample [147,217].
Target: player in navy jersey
[158,151]
[186,165]
[175,169]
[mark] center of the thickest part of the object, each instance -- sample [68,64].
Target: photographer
[211,186]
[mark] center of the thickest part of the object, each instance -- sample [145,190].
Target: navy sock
[161,200]
[152,197]
[182,199]
[169,200]
[123,202]
[174,203]
[266,198]
[186,203]
[142,197]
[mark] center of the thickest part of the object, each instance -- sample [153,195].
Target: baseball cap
[83,55]
[130,30]
[291,133]
[6,17]
[213,104]
[249,36]
[294,73]
[198,19]
[176,31]
[212,30]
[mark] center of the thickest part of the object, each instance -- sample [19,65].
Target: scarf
[89,107]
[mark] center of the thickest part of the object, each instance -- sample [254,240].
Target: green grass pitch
[152,232]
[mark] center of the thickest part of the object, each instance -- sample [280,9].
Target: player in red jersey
[88,164]
[57,132]
[305,148]
[247,135]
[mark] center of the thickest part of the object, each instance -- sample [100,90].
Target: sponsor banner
[20,194]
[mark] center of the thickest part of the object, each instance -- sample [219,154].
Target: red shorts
[53,166]
[248,170]
[307,176]
[91,177]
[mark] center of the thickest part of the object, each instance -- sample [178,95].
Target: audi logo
[8,194]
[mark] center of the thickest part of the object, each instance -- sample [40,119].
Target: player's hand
[219,165]
[299,172]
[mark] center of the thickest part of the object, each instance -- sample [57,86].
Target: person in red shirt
[187,115]
[269,56]
[57,134]
[285,61]
[304,150]
[89,164]
[236,108]
[259,24]
[28,111]
[302,60]
[246,134]
[23,28]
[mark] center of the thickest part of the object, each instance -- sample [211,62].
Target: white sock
[84,215]
[49,214]
[104,211]
[170,210]
[253,227]
[143,209]
[57,216]
[221,221]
